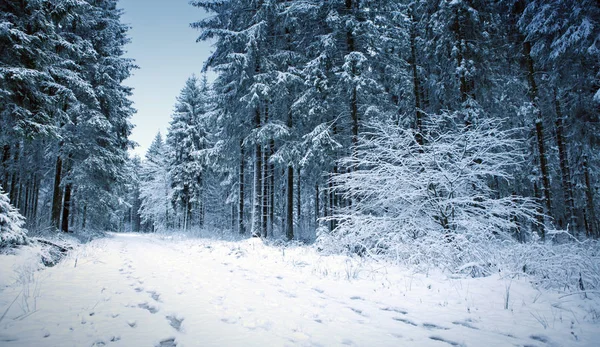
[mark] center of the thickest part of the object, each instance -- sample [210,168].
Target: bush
[437,194]
[432,205]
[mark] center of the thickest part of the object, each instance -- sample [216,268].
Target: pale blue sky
[165,48]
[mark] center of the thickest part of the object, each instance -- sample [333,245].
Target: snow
[152,290]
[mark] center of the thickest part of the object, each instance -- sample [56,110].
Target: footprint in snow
[288,294]
[150,309]
[175,322]
[357,311]
[229,320]
[405,321]
[433,326]
[441,339]
[466,324]
[167,343]
[540,338]
[356,298]
[394,309]
[154,295]
[138,289]
[320,291]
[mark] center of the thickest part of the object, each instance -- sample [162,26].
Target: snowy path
[139,290]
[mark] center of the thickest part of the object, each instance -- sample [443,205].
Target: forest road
[151,290]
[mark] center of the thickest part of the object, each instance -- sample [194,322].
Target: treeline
[303,85]
[64,113]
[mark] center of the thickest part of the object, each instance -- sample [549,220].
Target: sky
[164,47]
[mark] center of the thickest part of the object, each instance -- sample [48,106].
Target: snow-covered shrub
[569,266]
[432,203]
[11,224]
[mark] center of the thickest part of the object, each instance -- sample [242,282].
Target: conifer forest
[457,136]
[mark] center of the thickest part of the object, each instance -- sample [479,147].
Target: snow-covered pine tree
[156,209]
[11,224]
[29,95]
[242,89]
[64,112]
[185,139]
[94,153]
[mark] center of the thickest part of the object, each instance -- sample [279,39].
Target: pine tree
[186,139]
[64,109]
[11,224]
[155,187]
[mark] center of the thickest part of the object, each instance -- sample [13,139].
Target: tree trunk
[15,176]
[416,84]
[36,198]
[265,195]
[334,202]
[289,232]
[290,204]
[202,214]
[589,194]
[257,208]
[265,185]
[57,196]
[354,112]
[564,165]
[84,219]
[185,215]
[167,208]
[539,211]
[19,186]
[298,201]
[539,128]
[271,189]
[72,207]
[332,222]
[241,228]
[351,47]
[5,158]
[317,207]
[26,204]
[31,202]
[66,208]
[325,202]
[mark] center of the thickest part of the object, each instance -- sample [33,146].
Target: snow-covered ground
[150,290]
